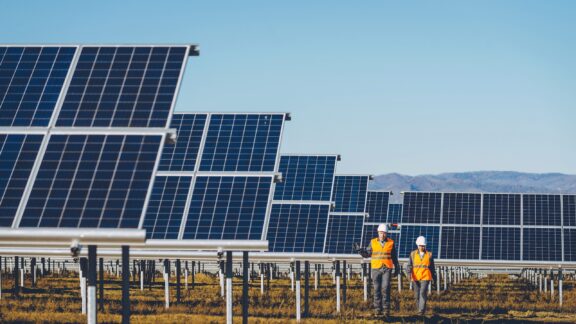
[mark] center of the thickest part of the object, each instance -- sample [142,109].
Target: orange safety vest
[421,266]
[382,254]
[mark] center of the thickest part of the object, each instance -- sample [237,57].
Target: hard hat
[383,228]
[421,240]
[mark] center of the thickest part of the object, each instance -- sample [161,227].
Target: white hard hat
[383,228]
[421,240]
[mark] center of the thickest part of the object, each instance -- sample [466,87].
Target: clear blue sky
[411,87]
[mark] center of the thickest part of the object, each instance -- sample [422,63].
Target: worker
[384,264]
[421,269]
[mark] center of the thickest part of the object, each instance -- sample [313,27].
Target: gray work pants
[381,281]
[421,294]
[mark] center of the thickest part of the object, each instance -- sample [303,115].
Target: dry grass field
[496,298]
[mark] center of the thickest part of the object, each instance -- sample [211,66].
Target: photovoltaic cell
[350,194]
[461,208]
[306,178]
[421,207]
[377,206]
[542,210]
[123,86]
[182,156]
[460,242]
[569,210]
[242,142]
[297,228]
[570,244]
[92,181]
[542,244]
[17,155]
[31,79]
[343,231]
[228,208]
[394,213]
[166,207]
[501,209]
[408,239]
[501,243]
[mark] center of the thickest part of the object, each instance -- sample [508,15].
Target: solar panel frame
[356,204]
[433,202]
[394,213]
[377,206]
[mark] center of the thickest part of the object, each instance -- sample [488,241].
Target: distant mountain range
[479,181]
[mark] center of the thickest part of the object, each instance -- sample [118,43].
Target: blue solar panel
[297,228]
[542,210]
[501,243]
[394,213]
[350,194]
[166,207]
[501,209]
[421,207]
[183,155]
[242,142]
[370,232]
[461,208]
[570,244]
[123,86]
[377,206]
[92,181]
[306,178]
[228,207]
[460,243]
[17,155]
[31,79]
[410,233]
[343,231]
[542,244]
[569,209]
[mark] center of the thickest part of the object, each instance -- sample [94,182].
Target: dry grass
[497,298]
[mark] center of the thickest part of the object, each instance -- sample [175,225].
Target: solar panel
[166,207]
[410,233]
[569,209]
[228,208]
[460,243]
[298,227]
[92,181]
[501,209]
[421,207]
[31,79]
[542,244]
[123,86]
[394,213]
[370,232]
[183,155]
[343,231]
[350,193]
[242,142]
[501,243]
[306,177]
[461,208]
[541,210]
[17,156]
[377,206]
[570,244]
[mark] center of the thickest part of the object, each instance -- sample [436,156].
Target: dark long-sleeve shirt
[394,253]
[431,267]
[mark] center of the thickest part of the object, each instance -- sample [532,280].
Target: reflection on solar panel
[17,155]
[460,243]
[306,177]
[541,210]
[542,244]
[183,155]
[408,235]
[343,231]
[501,243]
[242,142]
[461,208]
[377,206]
[297,227]
[421,207]
[350,193]
[166,207]
[123,86]
[31,79]
[228,208]
[501,209]
[570,244]
[394,213]
[92,181]
[370,232]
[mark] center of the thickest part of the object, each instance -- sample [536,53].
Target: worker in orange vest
[384,264]
[421,269]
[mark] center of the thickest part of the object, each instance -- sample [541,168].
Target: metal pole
[33,271]
[125,284]
[344,276]
[166,277]
[316,276]
[365,281]
[261,278]
[245,292]
[101,285]
[83,270]
[186,275]
[229,287]
[92,317]
[298,301]
[194,273]
[560,280]
[337,276]
[178,275]
[306,287]
[221,276]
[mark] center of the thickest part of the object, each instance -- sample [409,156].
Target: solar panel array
[71,153]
